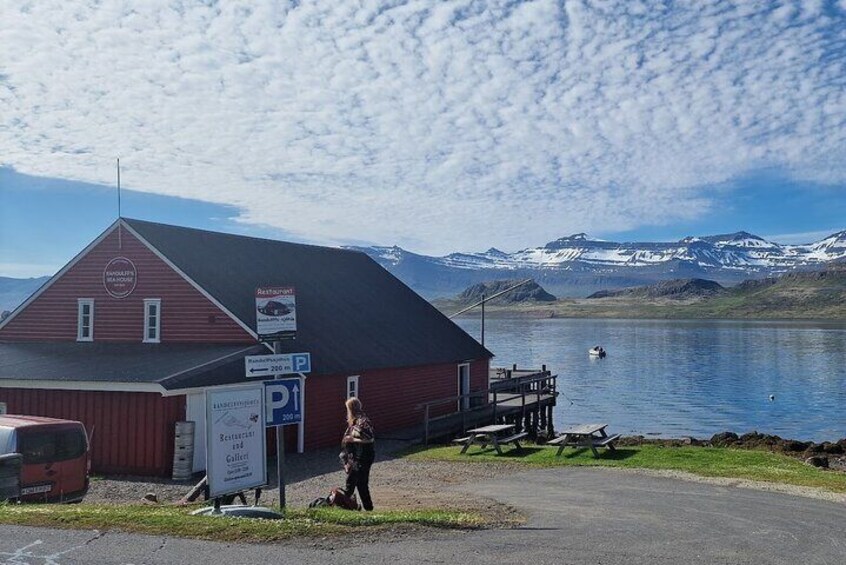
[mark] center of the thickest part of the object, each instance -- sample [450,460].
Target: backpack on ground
[337,497]
[319,502]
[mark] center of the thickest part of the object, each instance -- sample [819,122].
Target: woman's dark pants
[360,479]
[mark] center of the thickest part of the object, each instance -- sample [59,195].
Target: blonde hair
[354,410]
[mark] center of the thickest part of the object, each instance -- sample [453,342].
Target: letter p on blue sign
[282,402]
[301,362]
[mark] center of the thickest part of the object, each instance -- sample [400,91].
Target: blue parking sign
[301,362]
[283,402]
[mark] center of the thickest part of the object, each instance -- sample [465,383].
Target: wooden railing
[501,390]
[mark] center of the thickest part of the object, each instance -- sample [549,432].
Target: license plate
[36,489]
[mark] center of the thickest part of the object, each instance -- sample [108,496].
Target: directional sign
[283,404]
[278,364]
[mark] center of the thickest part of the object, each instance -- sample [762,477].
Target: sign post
[284,396]
[276,319]
[280,445]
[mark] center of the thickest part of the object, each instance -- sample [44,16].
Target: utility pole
[483,319]
[486,299]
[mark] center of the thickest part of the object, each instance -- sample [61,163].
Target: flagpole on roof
[120,246]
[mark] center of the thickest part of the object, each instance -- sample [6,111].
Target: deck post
[538,406]
[523,413]
[550,425]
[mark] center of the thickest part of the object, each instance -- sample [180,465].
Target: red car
[56,459]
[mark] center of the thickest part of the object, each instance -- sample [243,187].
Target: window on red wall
[85,319]
[152,320]
[352,386]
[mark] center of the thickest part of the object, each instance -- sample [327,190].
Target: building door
[464,386]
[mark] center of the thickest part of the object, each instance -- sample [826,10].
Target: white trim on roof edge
[190,281]
[58,275]
[203,389]
[105,386]
[222,358]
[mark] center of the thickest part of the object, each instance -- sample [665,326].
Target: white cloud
[27,270]
[803,237]
[442,126]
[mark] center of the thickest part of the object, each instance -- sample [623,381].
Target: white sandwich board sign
[235,442]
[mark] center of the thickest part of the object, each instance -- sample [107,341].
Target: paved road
[576,515]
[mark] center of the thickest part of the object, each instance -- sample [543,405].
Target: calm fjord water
[685,377]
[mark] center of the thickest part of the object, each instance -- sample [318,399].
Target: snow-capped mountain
[579,265]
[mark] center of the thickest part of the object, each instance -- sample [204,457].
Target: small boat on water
[597,351]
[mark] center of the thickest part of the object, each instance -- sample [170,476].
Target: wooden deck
[518,396]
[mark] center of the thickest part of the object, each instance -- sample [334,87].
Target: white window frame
[463,403]
[80,304]
[352,386]
[157,302]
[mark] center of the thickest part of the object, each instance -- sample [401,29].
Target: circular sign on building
[119,277]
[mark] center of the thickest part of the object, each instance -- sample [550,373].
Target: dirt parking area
[395,484]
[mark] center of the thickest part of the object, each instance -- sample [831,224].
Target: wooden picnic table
[495,435]
[585,435]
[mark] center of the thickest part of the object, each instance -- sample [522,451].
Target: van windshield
[42,446]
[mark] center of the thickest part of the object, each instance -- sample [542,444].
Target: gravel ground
[395,484]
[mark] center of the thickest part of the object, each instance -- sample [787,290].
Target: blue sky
[435,126]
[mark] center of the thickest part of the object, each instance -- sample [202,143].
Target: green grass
[703,461]
[177,521]
[324,522]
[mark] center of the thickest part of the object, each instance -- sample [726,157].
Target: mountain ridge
[799,295]
[578,265]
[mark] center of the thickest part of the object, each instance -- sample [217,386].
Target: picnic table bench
[585,435]
[494,435]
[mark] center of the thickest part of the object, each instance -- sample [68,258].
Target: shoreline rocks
[825,455]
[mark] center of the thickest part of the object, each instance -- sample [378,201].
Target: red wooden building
[131,333]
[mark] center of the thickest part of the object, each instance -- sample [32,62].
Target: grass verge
[177,521]
[703,461]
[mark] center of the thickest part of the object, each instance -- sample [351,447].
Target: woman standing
[358,445]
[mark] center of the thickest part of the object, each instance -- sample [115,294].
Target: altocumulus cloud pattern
[400,121]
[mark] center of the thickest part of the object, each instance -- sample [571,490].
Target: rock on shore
[830,455]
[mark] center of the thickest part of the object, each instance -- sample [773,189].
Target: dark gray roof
[352,314]
[173,366]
